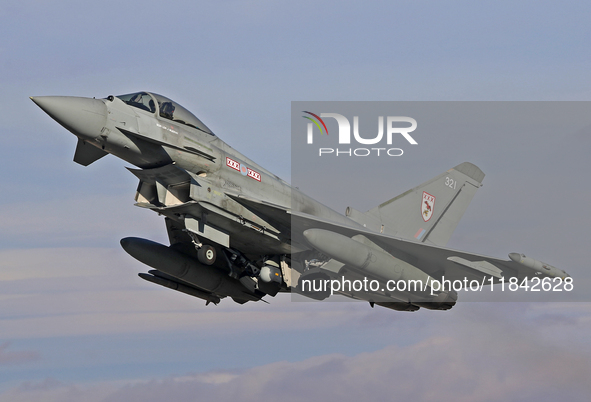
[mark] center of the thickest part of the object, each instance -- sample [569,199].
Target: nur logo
[391,128]
[311,128]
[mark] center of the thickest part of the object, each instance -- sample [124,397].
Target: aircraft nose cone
[84,117]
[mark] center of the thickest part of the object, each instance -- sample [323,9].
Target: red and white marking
[246,171]
[252,174]
[233,164]
[427,205]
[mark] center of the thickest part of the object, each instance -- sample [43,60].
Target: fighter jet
[237,230]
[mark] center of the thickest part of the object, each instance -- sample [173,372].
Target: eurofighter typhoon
[236,230]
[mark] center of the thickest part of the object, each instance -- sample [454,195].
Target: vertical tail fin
[430,212]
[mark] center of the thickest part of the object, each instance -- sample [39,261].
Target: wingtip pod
[538,266]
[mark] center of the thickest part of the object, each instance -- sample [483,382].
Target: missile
[210,298]
[366,259]
[181,266]
[538,266]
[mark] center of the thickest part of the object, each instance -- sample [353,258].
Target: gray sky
[76,322]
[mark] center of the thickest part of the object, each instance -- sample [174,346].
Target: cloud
[17,357]
[488,352]
[52,390]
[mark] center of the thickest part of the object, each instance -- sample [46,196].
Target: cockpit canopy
[167,109]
